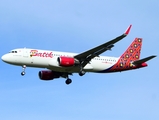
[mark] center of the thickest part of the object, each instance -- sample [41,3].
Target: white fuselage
[48,59]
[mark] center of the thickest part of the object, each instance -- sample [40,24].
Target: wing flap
[139,62]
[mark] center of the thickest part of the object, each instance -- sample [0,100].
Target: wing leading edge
[85,57]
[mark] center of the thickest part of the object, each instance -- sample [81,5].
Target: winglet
[127,30]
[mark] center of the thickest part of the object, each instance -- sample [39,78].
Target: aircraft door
[25,53]
[26,56]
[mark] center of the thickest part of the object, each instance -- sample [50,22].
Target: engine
[67,61]
[48,75]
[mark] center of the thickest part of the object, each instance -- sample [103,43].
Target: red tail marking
[130,55]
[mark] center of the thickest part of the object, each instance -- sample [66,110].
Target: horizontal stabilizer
[138,62]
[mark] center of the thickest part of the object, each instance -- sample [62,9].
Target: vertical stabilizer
[133,51]
[131,54]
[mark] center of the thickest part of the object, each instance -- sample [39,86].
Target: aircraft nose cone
[5,58]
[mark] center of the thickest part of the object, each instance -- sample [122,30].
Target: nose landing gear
[23,73]
[23,70]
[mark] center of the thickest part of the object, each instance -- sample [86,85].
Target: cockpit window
[13,52]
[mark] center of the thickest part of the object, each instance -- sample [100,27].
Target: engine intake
[67,61]
[48,75]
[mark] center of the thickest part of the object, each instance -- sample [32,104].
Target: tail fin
[129,56]
[133,51]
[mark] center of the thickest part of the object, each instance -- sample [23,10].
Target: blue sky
[76,26]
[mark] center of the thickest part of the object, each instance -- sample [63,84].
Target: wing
[85,57]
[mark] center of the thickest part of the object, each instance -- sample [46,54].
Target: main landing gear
[23,70]
[81,73]
[68,81]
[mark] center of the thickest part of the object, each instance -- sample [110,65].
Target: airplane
[63,64]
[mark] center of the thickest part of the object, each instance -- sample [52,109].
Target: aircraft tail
[133,51]
[129,56]
[130,59]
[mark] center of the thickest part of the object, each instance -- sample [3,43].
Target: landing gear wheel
[81,73]
[23,70]
[23,73]
[68,81]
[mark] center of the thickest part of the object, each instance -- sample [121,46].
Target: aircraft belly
[93,67]
[64,69]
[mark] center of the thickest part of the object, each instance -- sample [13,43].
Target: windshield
[13,52]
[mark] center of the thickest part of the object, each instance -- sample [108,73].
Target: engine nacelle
[48,75]
[67,61]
